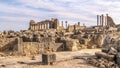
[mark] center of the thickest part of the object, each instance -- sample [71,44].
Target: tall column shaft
[47,26]
[66,24]
[107,19]
[102,20]
[62,23]
[97,20]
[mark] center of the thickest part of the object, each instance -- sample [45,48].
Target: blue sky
[16,14]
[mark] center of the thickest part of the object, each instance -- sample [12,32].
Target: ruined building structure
[47,24]
[53,24]
[105,21]
[75,27]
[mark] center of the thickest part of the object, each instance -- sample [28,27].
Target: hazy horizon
[16,14]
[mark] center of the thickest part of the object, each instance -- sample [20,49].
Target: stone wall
[31,48]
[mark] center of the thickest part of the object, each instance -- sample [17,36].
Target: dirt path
[12,61]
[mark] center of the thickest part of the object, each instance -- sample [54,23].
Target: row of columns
[39,26]
[67,25]
[47,26]
[102,20]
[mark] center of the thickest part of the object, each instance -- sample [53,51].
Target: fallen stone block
[48,58]
[104,55]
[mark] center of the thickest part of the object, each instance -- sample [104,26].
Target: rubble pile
[109,57]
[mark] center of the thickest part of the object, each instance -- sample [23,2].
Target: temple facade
[47,24]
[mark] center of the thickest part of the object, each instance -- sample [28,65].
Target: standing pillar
[37,26]
[46,25]
[62,23]
[74,27]
[107,19]
[97,20]
[102,19]
[40,26]
[78,23]
[33,27]
[30,27]
[66,24]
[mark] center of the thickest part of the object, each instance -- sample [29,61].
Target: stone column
[50,25]
[78,23]
[97,20]
[33,27]
[75,27]
[102,19]
[30,27]
[62,23]
[46,25]
[107,19]
[39,26]
[66,24]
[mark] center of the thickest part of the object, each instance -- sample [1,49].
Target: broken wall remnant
[45,44]
[110,22]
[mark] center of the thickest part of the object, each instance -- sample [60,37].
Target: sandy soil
[14,61]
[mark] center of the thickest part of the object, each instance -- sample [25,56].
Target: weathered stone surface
[72,44]
[48,58]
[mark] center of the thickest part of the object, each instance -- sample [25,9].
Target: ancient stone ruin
[48,37]
[49,34]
